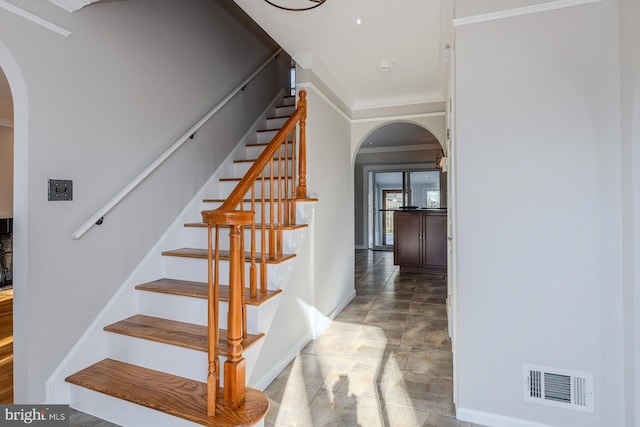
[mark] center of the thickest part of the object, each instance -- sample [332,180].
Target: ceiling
[400,135]
[370,53]
[349,44]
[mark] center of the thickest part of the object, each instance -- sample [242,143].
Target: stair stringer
[92,346]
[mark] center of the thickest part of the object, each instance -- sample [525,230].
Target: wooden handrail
[245,184]
[278,210]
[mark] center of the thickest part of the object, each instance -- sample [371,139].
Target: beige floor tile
[384,361]
[288,402]
[337,409]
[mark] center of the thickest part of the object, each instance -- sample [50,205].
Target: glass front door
[393,190]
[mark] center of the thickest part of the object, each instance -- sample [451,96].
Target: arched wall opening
[392,149]
[18,89]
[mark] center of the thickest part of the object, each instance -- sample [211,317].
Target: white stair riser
[253,151]
[196,237]
[195,269]
[241,168]
[180,361]
[266,136]
[172,359]
[193,310]
[120,411]
[276,122]
[285,111]
[224,189]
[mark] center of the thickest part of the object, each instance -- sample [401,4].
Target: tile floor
[384,361]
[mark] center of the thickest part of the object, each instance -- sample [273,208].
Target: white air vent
[558,387]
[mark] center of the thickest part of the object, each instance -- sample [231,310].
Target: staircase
[183,358]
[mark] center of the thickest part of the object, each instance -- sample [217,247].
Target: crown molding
[325,98]
[72,5]
[399,117]
[34,18]
[527,10]
[394,101]
[421,147]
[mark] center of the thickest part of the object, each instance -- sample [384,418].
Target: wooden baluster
[213,375]
[292,202]
[286,182]
[243,261]
[272,234]
[263,237]
[280,184]
[301,191]
[253,281]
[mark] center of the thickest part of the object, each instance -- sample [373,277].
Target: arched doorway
[394,165]
[18,89]
[6,241]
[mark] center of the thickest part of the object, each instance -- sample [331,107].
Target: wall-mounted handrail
[97,217]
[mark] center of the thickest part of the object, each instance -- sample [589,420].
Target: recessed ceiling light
[358,21]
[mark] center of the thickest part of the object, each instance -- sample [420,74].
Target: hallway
[384,361]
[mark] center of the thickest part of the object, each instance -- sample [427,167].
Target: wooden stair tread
[258,226]
[224,254]
[182,334]
[200,290]
[167,393]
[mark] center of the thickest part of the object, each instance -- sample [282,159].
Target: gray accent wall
[97,107]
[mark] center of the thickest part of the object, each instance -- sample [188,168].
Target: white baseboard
[494,420]
[321,322]
[275,370]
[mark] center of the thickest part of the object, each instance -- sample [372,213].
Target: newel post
[301,190]
[234,367]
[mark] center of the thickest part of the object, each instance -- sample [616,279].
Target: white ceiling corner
[343,43]
[72,5]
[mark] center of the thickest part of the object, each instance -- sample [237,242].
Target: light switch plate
[60,189]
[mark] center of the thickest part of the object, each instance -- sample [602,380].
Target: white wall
[539,212]
[330,179]
[6,172]
[630,119]
[97,107]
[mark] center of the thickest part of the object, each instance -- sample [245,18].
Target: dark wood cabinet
[420,240]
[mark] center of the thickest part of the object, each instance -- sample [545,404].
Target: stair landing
[167,393]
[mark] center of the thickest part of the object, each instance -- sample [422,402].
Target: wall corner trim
[527,10]
[34,18]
